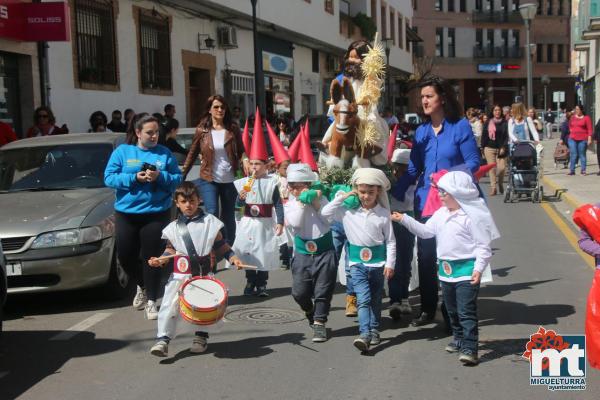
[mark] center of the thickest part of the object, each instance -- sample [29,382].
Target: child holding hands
[464,229]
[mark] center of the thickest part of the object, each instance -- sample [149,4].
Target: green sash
[314,246]
[456,268]
[366,254]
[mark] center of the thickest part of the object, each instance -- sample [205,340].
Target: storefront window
[10,106]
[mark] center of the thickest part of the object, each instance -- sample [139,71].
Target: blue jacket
[133,197]
[454,145]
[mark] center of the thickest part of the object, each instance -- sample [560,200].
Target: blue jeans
[405,242]
[368,284]
[339,241]
[212,193]
[577,149]
[460,299]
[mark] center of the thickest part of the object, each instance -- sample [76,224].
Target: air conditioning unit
[227,36]
[333,63]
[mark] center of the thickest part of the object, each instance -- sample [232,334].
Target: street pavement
[264,351]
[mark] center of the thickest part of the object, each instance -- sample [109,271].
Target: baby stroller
[524,173]
[561,155]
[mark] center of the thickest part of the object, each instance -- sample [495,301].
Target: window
[315,60]
[393,26]
[400,33]
[515,5]
[479,38]
[451,43]
[384,32]
[95,42]
[414,4]
[479,5]
[490,39]
[539,52]
[539,8]
[516,38]
[438,5]
[504,35]
[451,5]
[550,9]
[155,50]
[560,10]
[329,6]
[374,11]
[439,42]
[463,5]
[407,25]
[560,52]
[549,52]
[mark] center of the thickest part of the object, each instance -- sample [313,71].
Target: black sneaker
[375,338]
[362,343]
[261,291]
[423,319]
[468,357]
[319,333]
[452,347]
[395,312]
[249,289]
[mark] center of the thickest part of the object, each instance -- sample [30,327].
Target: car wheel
[119,283]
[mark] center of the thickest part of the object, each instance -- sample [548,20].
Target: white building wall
[305,81]
[465,39]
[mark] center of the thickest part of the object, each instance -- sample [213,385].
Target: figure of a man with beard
[352,70]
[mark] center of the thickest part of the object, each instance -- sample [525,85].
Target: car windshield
[57,167]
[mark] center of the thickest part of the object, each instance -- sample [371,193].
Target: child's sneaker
[395,312]
[319,333]
[249,289]
[199,344]
[375,338]
[468,357]
[151,310]
[362,343]
[405,307]
[452,347]
[160,349]
[261,291]
[140,299]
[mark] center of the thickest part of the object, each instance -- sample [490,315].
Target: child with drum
[190,239]
[365,214]
[314,265]
[259,236]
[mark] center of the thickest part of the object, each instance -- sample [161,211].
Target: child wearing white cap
[405,241]
[464,229]
[314,265]
[371,246]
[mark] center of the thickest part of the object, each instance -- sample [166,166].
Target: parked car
[57,217]
[185,136]
[3,289]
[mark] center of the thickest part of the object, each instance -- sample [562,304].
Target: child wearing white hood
[464,229]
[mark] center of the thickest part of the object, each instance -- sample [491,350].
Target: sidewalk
[573,190]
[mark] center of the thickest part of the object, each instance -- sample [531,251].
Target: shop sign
[489,68]
[35,22]
[277,64]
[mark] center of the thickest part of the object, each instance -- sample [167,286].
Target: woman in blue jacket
[443,141]
[144,175]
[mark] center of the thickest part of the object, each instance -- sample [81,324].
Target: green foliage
[366,25]
[335,175]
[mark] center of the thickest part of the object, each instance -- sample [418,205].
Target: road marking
[81,326]
[568,233]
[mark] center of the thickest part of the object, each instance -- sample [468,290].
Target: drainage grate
[264,315]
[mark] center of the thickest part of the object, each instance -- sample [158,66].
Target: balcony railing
[497,17]
[497,52]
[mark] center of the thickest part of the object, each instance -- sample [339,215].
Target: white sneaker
[160,349]
[151,310]
[140,299]
[405,307]
[199,344]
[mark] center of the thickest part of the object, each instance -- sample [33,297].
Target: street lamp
[259,80]
[481,91]
[528,11]
[387,42]
[545,81]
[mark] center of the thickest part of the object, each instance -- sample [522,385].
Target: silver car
[57,217]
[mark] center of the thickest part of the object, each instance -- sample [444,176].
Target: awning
[590,35]
[411,35]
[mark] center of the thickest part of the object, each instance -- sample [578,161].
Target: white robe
[255,240]
[203,234]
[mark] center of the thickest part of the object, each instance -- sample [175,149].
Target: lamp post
[389,102]
[259,80]
[545,81]
[481,91]
[528,11]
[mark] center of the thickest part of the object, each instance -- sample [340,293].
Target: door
[199,92]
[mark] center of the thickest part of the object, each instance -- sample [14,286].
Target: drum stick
[165,258]
[248,266]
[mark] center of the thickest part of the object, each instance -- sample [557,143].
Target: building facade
[480,46]
[149,53]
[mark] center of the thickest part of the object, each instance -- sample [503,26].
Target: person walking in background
[169,113]
[98,122]
[494,142]
[144,175]
[116,124]
[521,127]
[580,136]
[597,139]
[549,121]
[219,144]
[476,125]
[390,118]
[44,124]
[564,129]
[283,132]
[539,126]
[7,134]
[506,113]
[168,134]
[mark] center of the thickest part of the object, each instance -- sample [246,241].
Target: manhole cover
[264,315]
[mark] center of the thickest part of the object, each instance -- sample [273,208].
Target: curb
[568,197]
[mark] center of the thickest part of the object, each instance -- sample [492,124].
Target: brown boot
[351,310]
[492,191]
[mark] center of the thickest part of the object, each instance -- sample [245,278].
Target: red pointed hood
[279,152]
[258,148]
